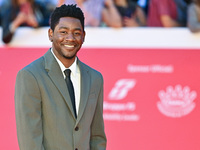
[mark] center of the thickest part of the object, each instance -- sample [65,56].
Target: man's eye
[63,32]
[77,33]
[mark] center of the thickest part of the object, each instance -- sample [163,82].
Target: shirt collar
[73,67]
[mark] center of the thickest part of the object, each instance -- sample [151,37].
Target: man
[17,13]
[46,119]
[163,13]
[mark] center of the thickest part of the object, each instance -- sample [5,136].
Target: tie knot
[67,72]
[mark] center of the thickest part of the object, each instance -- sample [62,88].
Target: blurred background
[148,52]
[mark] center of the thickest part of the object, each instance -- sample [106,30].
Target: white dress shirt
[75,77]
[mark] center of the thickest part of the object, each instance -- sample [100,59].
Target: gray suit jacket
[44,113]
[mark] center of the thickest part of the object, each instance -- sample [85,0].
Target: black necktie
[70,89]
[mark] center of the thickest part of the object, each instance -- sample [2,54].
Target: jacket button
[76,129]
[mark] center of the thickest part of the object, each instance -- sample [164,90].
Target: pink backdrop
[151,96]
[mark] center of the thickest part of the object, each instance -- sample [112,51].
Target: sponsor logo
[121,89]
[116,109]
[176,101]
[154,68]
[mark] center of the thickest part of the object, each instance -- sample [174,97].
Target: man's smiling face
[67,37]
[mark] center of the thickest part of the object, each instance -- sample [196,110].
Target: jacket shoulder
[35,65]
[91,70]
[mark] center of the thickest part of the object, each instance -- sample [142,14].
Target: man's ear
[50,34]
[84,33]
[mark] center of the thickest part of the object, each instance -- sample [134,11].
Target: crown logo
[176,102]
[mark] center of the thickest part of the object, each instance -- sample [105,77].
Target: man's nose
[70,36]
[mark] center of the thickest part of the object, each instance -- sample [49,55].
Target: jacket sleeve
[98,138]
[28,112]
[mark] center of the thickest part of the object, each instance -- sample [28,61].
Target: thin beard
[69,57]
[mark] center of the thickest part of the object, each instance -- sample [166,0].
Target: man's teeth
[69,45]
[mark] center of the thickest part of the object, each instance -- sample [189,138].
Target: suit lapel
[85,89]
[56,76]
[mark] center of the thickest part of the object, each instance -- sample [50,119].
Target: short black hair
[66,11]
